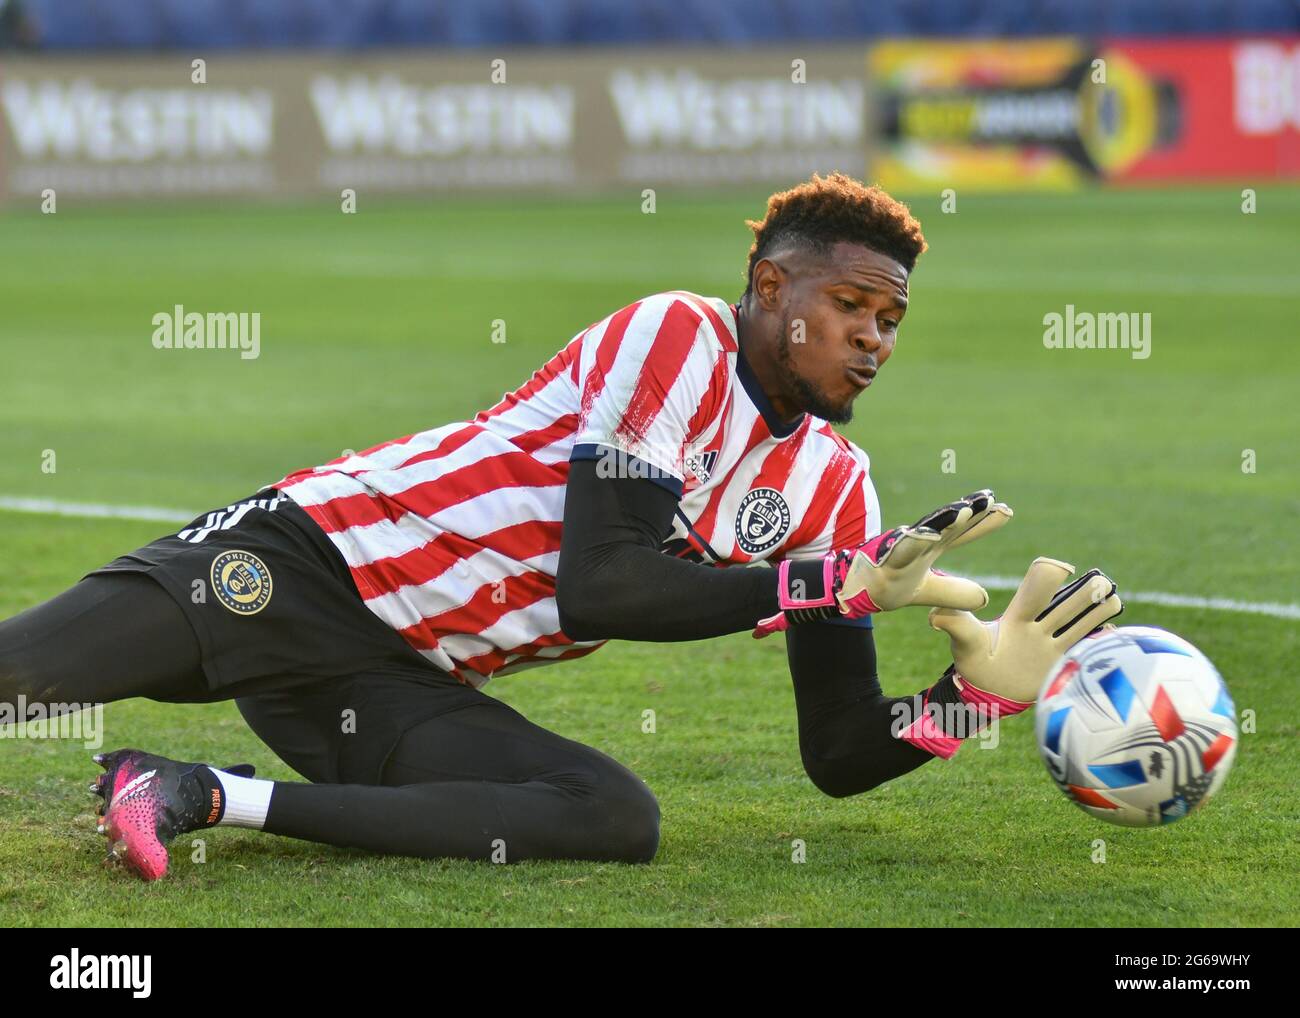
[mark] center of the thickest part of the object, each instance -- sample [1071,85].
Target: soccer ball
[1136,726]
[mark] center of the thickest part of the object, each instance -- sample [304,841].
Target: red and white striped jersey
[453,534]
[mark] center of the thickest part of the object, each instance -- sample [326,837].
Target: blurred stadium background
[356,24]
[111,99]
[541,163]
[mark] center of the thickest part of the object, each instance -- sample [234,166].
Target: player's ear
[769,280]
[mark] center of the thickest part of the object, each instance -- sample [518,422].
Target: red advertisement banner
[1237,110]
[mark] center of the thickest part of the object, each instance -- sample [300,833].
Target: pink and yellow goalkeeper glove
[1010,656]
[890,571]
[999,666]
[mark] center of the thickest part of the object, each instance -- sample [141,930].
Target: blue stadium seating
[358,24]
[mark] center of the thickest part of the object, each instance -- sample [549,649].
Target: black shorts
[282,630]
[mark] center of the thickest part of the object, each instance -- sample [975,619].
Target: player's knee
[631,815]
[639,827]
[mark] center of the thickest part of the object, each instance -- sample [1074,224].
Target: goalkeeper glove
[999,666]
[890,571]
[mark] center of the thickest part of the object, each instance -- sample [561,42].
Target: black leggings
[479,781]
[107,638]
[482,782]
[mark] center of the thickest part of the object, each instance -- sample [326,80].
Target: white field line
[94,510]
[155,514]
[1275,609]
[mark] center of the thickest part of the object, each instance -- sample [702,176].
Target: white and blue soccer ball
[1136,726]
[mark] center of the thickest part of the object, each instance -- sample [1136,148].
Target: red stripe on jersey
[851,521]
[366,452]
[483,609]
[719,387]
[504,470]
[775,471]
[660,369]
[566,359]
[566,655]
[448,445]
[830,486]
[326,468]
[779,463]
[461,436]
[518,542]
[489,662]
[719,326]
[294,478]
[420,565]
[606,354]
[832,434]
[540,438]
[522,541]
[707,524]
[360,510]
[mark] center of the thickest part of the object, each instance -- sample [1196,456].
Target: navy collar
[778,427]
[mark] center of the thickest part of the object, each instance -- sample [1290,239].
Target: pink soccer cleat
[149,800]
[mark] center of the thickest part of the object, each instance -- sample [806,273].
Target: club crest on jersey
[762,520]
[241,582]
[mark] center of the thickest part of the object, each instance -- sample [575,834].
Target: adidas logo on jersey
[701,465]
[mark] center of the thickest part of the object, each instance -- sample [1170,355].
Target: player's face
[850,306]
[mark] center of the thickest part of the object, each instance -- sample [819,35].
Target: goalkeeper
[354,611]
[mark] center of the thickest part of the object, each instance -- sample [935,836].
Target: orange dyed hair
[823,211]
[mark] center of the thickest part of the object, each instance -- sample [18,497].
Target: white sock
[247,800]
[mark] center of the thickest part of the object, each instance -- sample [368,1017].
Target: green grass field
[379,324]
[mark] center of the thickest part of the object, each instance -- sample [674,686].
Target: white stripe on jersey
[388,457]
[555,399]
[397,479]
[369,543]
[409,604]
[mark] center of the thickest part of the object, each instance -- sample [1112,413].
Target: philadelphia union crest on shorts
[762,520]
[241,582]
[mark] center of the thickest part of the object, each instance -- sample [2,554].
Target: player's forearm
[614,583]
[630,592]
